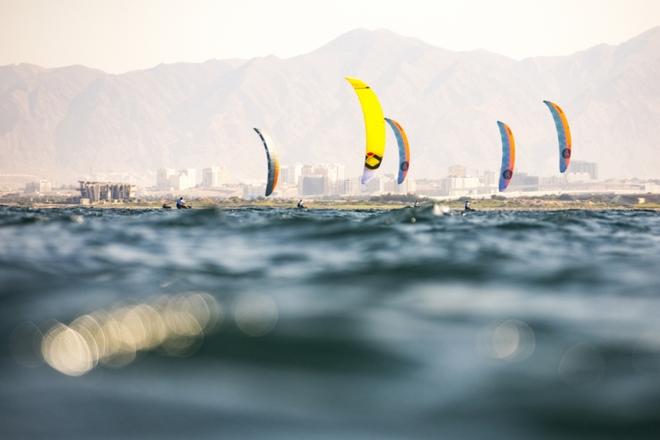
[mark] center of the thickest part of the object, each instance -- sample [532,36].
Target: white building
[290,174]
[461,186]
[332,174]
[184,179]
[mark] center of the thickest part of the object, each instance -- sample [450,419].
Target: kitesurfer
[181,204]
[467,206]
[300,204]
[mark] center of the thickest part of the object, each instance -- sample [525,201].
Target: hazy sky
[120,35]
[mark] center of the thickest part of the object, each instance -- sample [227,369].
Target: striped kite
[508,155]
[273,163]
[563,134]
[404,149]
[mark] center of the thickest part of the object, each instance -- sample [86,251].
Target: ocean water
[276,323]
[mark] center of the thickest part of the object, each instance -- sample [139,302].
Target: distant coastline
[524,203]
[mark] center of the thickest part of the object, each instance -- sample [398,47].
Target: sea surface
[327,324]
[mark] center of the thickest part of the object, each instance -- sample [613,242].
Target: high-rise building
[334,172]
[290,174]
[285,171]
[297,172]
[348,187]
[192,177]
[212,177]
[163,176]
[313,185]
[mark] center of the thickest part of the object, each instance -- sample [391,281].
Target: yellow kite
[374,124]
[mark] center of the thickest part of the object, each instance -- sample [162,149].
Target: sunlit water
[271,323]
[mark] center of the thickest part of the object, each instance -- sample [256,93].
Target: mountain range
[71,122]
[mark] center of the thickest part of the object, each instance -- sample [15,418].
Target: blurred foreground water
[271,323]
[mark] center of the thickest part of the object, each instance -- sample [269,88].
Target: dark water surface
[337,324]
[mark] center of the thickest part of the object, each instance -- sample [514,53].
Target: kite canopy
[273,163]
[404,149]
[508,155]
[374,124]
[563,134]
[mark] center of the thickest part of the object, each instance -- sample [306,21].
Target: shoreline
[479,205]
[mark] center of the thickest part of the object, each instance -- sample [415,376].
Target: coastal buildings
[318,179]
[170,180]
[91,191]
[329,180]
[185,179]
[459,186]
[290,174]
[38,187]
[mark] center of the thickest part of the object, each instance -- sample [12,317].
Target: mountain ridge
[73,121]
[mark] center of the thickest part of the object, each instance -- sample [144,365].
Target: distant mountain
[69,122]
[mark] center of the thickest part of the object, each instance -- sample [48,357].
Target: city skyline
[327,181]
[330,180]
